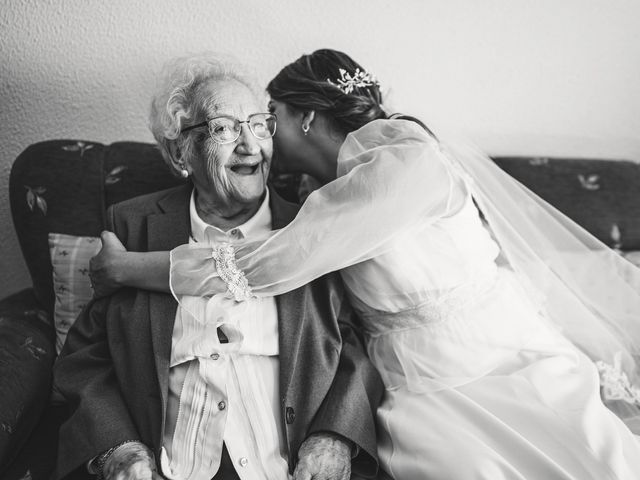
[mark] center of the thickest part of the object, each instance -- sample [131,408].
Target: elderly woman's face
[236,172]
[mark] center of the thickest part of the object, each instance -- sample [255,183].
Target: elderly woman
[269,387]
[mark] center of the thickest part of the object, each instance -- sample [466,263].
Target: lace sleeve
[392,175]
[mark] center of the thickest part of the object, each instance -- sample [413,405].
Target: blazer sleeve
[84,375]
[349,408]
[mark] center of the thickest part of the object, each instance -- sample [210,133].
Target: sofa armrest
[27,352]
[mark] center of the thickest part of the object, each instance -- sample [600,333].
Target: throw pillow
[70,257]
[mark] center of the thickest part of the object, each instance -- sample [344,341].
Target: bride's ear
[307,119]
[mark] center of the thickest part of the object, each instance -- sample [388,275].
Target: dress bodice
[435,258]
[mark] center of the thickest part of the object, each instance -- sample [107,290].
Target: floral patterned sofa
[59,192]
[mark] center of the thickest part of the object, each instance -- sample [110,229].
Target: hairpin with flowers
[347,82]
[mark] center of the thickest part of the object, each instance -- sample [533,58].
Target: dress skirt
[480,386]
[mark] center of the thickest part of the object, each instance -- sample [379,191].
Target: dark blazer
[114,368]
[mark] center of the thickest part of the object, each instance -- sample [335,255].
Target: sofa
[59,193]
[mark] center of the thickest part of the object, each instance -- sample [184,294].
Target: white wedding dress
[481,379]
[479,385]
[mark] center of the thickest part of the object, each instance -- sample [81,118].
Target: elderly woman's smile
[246,168]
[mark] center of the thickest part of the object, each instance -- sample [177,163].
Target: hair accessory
[225,257]
[360,79]
[305,129]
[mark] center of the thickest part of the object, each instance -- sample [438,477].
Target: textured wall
[542,77]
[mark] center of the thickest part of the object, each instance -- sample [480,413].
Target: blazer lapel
[291,316]
[290,323]
[165,231]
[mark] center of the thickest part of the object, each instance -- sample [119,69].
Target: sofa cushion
[70,257]
[65,186]
[133,168]
[55,187]
[601,195]
[26,358]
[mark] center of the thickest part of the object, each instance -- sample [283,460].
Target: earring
[305,129]
[183,171]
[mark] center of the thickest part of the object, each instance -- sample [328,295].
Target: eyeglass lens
[227,129]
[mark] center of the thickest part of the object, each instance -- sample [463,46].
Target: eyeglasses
[226,129]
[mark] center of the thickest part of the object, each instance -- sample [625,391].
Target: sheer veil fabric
[391,176]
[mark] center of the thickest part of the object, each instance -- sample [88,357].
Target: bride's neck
[328,158]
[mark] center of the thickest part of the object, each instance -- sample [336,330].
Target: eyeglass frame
[240,122]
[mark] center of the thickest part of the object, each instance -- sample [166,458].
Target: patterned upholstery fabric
[601,195]
[65,186]
[26,357]
[62,187]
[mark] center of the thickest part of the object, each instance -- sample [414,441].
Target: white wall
[548,77]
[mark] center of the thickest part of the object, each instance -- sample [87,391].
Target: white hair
[178,98]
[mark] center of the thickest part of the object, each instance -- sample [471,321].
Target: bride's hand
[107,269]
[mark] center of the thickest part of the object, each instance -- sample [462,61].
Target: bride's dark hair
[311,83]
[306,85]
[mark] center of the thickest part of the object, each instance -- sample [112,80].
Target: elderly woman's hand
[108,268]
[131,461]
[324,456]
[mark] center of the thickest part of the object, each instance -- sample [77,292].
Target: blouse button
[222,405]
[290,415]
[243,461]
[214,356]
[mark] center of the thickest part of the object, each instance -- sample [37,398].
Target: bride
[493,319]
